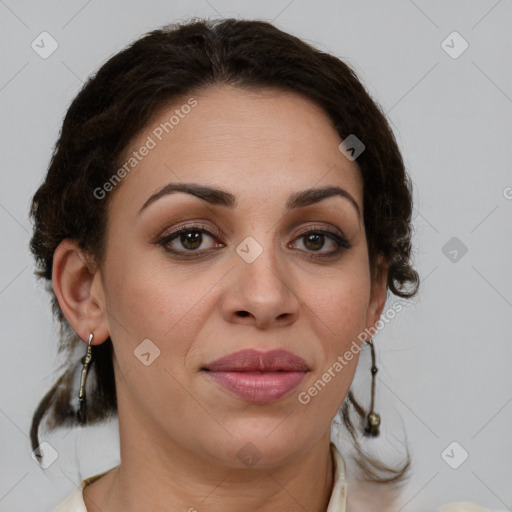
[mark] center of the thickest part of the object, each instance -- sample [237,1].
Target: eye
[196,241]
[316,240]
[189,239]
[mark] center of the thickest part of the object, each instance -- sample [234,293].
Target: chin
[255,448]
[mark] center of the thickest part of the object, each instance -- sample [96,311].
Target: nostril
[243,313]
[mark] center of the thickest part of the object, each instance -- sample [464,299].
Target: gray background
[445,360]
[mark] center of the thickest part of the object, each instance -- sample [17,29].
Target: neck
[153,478]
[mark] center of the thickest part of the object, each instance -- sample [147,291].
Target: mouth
[256,376]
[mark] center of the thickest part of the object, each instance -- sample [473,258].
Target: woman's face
[259,262]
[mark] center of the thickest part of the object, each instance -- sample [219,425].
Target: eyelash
[340,241]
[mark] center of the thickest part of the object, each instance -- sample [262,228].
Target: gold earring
[86,360]
[372,419]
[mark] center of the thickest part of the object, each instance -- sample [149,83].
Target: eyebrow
[216,196]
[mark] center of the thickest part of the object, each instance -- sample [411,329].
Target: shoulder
[74,501]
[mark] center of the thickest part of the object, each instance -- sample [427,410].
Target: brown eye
[316,241]
[189,239]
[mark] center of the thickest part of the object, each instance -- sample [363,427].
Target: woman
[223,216]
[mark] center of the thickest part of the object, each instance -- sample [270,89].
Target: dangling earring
[372,419]
[81,412]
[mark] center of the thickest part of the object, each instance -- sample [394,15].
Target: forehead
[257,144]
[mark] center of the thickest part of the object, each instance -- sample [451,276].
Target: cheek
[340,301]
[146,302]
[338,306]
[156,302]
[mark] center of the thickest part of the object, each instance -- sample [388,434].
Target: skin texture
[180,432]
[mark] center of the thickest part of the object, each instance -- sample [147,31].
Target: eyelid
[190,225]
[322,227]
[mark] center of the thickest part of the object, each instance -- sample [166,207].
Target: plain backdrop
[445,380]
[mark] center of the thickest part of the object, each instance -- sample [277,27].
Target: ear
[378,295]
[79,290]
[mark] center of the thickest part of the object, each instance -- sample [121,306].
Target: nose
[260,293]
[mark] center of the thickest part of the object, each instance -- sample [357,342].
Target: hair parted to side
[117,102]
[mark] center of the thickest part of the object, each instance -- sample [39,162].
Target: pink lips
[258,376]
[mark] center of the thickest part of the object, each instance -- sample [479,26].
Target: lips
[255,361]
[258,376]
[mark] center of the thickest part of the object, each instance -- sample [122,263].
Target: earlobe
[72,278]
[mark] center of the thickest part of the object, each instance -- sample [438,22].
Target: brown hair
[117,102]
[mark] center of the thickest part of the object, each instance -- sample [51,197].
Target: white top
[338,502]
